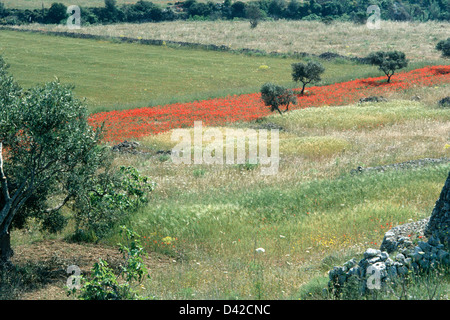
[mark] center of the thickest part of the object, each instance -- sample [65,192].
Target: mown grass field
[102,71]
[204,222]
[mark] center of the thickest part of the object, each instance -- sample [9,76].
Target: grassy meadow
[417,40]
[204,222]
[310,216]
[102,71]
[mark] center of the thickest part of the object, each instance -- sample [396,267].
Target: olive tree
[388,61]
[307,73]
[50,157]
[276,96]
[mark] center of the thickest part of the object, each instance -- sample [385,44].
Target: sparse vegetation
[104,284]
[444,46]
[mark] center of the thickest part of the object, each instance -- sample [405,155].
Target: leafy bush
[444,102]
[56,13]
[50,148]
[51,158]
[114,195]
[276,96]
[103,284]
[444,46]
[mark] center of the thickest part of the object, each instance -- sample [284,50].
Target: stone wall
[398,255]
[439,224]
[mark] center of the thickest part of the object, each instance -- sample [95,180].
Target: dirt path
[47,262]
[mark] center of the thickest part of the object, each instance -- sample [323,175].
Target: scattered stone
[444,102]
[330,56]
[373,99]
[164,152]
[398,237]
[126,146]
[370,253]
[402,165]
[416,98]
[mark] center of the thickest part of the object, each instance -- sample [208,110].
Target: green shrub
[112,197]
[276,96]
[103,284]
[444,46]
[56,13]
[444,102]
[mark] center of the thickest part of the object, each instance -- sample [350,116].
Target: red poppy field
[140,122]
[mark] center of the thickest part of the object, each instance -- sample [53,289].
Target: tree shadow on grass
[18,279]
[440,70]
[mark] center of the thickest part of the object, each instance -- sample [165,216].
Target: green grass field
[309,217]
[102,71]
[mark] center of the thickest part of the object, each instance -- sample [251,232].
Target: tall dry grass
[418,40]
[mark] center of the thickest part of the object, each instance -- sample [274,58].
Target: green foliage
[53,159]
[238,9]
[9,89]
[49,144]
[140,11]
[110,197]
[132,251]
[254,14]
[104,284]
[307,73]
[444,102]
[276,96]
[444,46]
[56,13]
[388,62]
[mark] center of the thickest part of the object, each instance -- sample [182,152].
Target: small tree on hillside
[307,73]
[444,46]
[254,14]
[276,96]
[388,62]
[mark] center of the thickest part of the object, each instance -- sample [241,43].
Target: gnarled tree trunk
[6,251]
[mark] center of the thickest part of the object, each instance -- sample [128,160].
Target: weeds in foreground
[103,284]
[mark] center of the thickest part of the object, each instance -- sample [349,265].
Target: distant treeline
[324,10]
